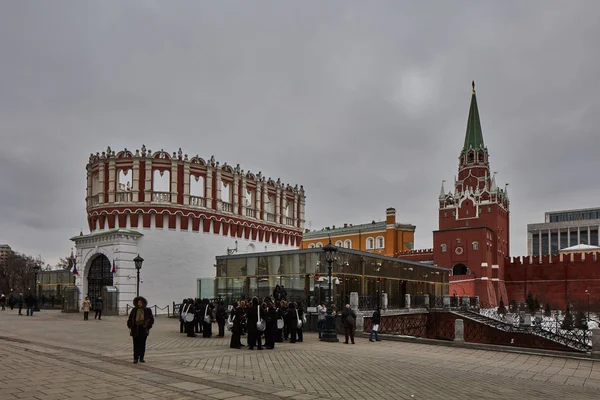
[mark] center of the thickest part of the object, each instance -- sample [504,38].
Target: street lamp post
[36,269]
[138,265]
[329,333]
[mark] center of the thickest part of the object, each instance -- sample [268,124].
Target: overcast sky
[364,103]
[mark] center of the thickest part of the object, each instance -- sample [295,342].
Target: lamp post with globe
[138,265]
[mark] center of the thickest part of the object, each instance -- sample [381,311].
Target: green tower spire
[473,137]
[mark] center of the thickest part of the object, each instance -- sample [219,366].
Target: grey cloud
[365,104]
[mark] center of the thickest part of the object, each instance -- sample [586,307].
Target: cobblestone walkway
[60,356]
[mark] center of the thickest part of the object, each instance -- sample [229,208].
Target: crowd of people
[28,300]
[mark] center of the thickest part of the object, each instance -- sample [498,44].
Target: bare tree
[17,273]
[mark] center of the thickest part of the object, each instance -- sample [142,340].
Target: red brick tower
[473,235]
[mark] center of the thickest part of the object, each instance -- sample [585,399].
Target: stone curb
[479,346]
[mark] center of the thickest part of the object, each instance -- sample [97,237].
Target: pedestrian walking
[376,320]
[139,323]
[30,303]
[3,301]
[20,301]
[349,322]
[85,306]
[221,316]
[99,307]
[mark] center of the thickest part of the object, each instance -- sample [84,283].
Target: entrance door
[98,277]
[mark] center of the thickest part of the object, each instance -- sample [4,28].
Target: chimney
[345,225]
[333,227]
[390,216]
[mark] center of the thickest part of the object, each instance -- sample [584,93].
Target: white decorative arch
[338,243]
[319,244]
[348,243]
[380,242]
[311,246]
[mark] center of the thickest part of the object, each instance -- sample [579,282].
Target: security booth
[70,299]
[110,295]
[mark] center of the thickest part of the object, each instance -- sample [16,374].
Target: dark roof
[373,226]
[474,136]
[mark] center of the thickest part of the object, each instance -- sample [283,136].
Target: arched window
[338,243]
[475,246]
[380,242]
[348,244]
[319,244]
[311,246]
[370,243]
[443,248]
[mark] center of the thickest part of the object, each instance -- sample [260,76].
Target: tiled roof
[374,226]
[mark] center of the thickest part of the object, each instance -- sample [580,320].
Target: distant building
[563,229]
[385,237]
[5,252]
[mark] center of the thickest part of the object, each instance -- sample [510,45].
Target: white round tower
[178,214]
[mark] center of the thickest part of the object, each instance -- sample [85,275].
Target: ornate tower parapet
[145,188]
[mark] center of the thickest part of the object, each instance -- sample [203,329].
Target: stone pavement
[59,356]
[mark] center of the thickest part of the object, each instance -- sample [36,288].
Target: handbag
[184,313]
[229,323]
[207,319]
[299,324]
[375,328]
[280,323]
[260,324]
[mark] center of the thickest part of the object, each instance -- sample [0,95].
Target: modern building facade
[563,229]
[178,213]
[385,237]
[304,275]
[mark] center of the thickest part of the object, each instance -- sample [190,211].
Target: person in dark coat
[206,313]
[349,323]
[376,319]
[271,320]
[20,301]
[199,315]
[292,322]
[189,326]
[139,323]
[30,303]
[182,308]
[254,334]
[237,314]
[221,316]
[99,307]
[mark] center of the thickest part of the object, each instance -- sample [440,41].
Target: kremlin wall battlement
[559,280]
[416,255]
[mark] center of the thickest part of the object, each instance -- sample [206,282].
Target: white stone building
[202,210]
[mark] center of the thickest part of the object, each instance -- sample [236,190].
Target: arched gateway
[98,276]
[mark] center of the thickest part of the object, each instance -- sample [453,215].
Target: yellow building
[385,237]
[5,252]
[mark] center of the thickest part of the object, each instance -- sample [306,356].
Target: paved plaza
[59,356]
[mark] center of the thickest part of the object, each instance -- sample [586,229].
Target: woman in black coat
[139,323]
[236,331]
[189,326]
[206,313]
[271,320]
[292,322]
[253,333]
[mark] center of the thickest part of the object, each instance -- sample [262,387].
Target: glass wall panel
[536,244]
[594,237]
[554,242]
[574,238]
[564,240]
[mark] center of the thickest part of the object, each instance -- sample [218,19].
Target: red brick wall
[554,280]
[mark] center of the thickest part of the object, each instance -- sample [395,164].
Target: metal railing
[197,201]
[155,307]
